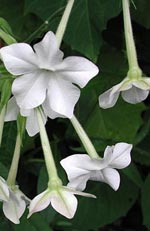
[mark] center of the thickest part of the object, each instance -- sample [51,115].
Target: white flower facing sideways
[44,77]
[31,122]
[14,201]
[61,198]
[80,167]
[133,90]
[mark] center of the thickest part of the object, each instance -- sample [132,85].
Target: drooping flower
[31,123]
[80,167]
[44,76]
[62,199]
[14,201]
[132,91]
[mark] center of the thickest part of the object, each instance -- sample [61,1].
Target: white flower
[132,91]
[31,122]
[62,199]
[80,167]
[14,201]
[43,75]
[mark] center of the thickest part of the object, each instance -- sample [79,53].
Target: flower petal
[134,95]
[48,52]
[30,89]
[64,203]
[62,96]
[107,175]
[12,110]
[48,110]
[19,58]
[108,99]
[143,84]
[78,168]
[4,191]
[118,156]
[77,70]
[32,123]
[40,202]
[14,207]
[79,192]
[80,164]
[79,183]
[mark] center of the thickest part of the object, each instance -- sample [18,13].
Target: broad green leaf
[3,171]
[133,174]
[141,13]
[35,223]
[12,11]
[141,156]
[87,21]
[146,202]
[8,143]
[43,8]
[93,214]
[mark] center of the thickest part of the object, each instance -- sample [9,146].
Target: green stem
[130,45]
[15,161]
[63,22]
[50,163]
[84,138]
[42,27]
[2,117]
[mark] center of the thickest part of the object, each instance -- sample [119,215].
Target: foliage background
[95,30]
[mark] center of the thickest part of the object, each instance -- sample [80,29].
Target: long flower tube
[2,118]
[14,201]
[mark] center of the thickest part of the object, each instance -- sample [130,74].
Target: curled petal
[19,58]
[64,203]
[108,99]
[134,95]
[77,70]
[14,207]
[62,96]
[12,110]
[118,156]
[40,202]
[72,190]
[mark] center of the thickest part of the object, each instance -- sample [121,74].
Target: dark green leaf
[109,205]
[141,13]
[146,202]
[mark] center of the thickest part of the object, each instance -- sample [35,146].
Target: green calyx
[54,183]
[134,73]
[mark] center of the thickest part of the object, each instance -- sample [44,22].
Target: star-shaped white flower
[14,201]
[80,167]
[43,75]
[62,199]
[132,90]
[31,123]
